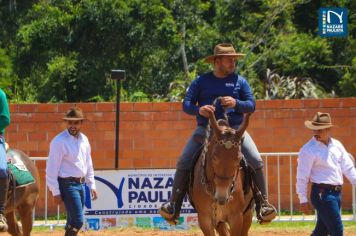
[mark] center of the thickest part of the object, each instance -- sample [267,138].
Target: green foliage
[138,97]
[6,72]
[302,55]
[288,87]
[348,82]
[178,87]
[60,82]
[63,50]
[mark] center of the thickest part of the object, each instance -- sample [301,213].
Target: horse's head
[224,153]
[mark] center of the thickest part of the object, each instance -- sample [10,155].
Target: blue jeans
[248,148]
[327,204]
[3,161]
[72,194]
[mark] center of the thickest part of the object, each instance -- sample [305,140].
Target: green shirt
[4,112]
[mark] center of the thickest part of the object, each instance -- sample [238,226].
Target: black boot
[4,186]
[265,212]
[171,209]
[70,231]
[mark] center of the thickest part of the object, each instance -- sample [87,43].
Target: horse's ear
[214,124]
[243,125]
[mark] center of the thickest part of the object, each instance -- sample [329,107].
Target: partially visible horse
[22,199]
[217,192]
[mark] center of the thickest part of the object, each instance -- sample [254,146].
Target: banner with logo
[333,22]
[132,198]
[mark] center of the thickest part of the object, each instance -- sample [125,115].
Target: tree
[6,73]
[68,47]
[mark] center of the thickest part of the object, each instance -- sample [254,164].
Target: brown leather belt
[80,180]
[329,186]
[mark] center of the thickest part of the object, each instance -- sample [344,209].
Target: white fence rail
[290,156]
[267,157]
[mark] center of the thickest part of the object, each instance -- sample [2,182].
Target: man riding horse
[236,99]
[4,122]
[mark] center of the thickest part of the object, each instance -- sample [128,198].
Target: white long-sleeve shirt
[69,156]
[318,163]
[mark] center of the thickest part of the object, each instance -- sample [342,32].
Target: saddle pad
[22,177]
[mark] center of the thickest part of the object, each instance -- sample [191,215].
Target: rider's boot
[4,185]
[71,231]
[265,211]
[171,209]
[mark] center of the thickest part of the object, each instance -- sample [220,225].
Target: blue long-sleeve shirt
[206,88]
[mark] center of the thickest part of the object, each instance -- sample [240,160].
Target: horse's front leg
[206,224]
[14,228]
[247,220]
[236,223]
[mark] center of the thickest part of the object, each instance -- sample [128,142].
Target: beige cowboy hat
[74,113]
[223,49]
[320,121]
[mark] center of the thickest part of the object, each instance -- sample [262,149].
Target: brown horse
[22,199]
[217,192]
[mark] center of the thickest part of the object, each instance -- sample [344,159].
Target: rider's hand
[305,208]
[206,110]
[94,194]
[228,102]
[57,199]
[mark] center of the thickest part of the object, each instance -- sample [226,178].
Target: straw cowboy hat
[320,121]
[74,113]
[223,49]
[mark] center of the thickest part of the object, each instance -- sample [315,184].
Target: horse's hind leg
[222,229]
[25,212]
[14,228]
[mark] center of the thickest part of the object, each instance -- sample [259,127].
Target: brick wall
[152,135]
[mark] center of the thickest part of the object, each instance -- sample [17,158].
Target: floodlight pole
[117,75]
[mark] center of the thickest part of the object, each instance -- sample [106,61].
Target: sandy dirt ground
[136,232]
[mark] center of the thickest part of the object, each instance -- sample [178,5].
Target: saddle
[19,175]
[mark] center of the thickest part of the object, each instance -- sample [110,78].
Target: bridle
[209,186]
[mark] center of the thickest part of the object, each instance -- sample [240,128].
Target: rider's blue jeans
[327,204]
[248,148]
[72,194]
[3,161]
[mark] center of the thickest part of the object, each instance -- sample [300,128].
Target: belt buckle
[337,188]
[81,180]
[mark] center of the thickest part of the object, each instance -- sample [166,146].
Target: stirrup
[267,216]
[171,218]
[3,224]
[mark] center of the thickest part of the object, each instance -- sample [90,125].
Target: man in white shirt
[323,161]
[69,166]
